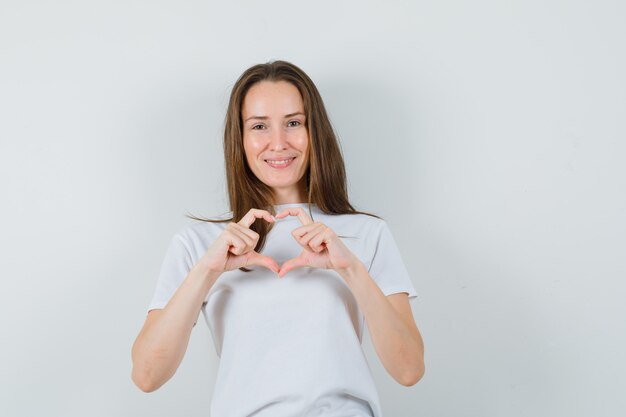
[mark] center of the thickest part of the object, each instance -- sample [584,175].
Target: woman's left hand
[322,246]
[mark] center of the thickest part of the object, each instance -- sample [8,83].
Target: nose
[278,139]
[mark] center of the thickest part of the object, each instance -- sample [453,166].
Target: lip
[280,159]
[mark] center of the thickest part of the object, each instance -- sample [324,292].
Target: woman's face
[275,137]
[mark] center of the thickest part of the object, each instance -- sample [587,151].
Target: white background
[489,134]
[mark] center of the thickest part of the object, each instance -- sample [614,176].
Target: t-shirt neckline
[293,205]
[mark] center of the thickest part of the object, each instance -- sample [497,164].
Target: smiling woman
[288,332]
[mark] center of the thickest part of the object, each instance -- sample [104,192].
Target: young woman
[286,279]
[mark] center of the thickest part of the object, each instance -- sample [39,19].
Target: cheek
[305,154]
[302,143]
[252,146]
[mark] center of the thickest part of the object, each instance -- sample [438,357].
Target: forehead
[267,98]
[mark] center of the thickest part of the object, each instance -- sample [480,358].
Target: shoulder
[357,224]
[199,233]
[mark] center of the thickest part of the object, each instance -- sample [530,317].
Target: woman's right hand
[234,247]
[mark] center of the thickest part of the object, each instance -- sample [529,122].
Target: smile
[280,163]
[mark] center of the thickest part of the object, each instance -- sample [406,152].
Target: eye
[255,127]
[294,121]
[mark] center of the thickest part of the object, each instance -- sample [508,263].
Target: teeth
[284,161]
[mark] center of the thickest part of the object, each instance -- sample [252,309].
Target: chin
[280,184]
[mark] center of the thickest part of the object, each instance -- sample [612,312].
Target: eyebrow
[265,117]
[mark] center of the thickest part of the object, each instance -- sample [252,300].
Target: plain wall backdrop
[489,134]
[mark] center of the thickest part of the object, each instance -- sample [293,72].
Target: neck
[289,196]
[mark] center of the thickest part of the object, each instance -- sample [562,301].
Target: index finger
[254,214]
[296,211]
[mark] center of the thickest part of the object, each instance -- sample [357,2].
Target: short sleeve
[387,267]
[174,269]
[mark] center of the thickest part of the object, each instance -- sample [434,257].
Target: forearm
[161,344]
[399,346]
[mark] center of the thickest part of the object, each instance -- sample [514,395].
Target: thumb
[256,258]
[292,264]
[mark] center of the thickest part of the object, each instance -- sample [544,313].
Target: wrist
[352,271]
[206,272]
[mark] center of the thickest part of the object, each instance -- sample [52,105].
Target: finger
[235,244]
[248,232]
[292,264]
[319,241]
[256,258]
[239,231]
[298,212]
[298,232]
[305,238]
[254,214]
[249,244]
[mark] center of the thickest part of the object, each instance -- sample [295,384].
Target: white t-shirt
[291,346]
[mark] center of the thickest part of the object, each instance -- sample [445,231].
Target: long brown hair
[325,176]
